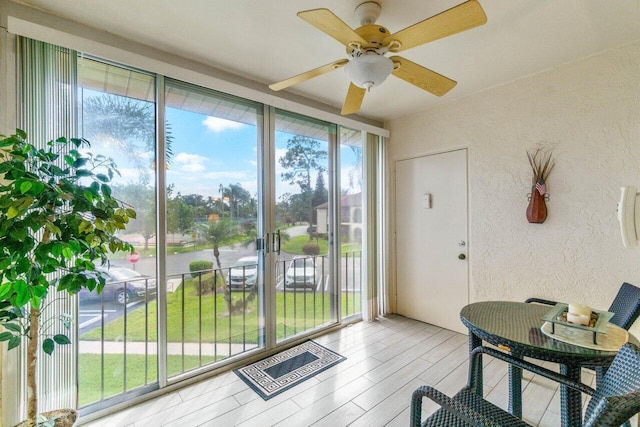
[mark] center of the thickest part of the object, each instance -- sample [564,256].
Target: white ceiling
[265,41]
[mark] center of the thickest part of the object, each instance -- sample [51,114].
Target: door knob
[462,256]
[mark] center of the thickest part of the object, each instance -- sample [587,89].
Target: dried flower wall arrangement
[541,166]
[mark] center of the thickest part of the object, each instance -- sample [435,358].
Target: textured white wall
[588,112]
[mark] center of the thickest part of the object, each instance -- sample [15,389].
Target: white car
[243,274]
[301,273]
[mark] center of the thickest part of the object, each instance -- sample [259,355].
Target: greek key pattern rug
[275,374]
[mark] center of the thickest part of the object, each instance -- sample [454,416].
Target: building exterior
[350,217]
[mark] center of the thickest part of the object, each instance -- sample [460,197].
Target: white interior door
[431,238]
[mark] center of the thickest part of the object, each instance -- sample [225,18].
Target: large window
[214,277]
[305,285]
[351,220]
[117,329]
[248,232]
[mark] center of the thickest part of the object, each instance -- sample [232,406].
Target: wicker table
[515,327]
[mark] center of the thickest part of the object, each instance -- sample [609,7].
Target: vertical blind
[47,89]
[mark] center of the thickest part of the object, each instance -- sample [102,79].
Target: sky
[210,151]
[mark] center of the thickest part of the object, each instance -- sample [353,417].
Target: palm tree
[219,233]
[224,232]
[127,122]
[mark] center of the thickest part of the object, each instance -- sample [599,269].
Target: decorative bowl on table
[597,323]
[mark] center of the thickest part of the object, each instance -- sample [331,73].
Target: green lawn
[350,247]
[201,319]
[138,373]
[192,319]
[295,244]
[150,251]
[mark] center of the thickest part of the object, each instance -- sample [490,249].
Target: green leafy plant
[208,282]
[57,219]
[197,267]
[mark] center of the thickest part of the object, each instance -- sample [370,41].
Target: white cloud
[216,124]
[190,158]
[350,176]
[280,153]
[128,175]
[226,175]
[192,167]
[191,162]
[250,186]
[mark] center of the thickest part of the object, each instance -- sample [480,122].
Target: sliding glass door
[118,328]
[351,221]
[214,299]
[305,284]
[248,231]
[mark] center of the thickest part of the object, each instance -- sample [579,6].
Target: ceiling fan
[367,46]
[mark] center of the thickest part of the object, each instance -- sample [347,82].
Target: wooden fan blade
[308,75]
[328,23]
[353,101]
[455,20]
[424,78]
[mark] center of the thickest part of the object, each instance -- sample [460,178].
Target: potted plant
[58,218]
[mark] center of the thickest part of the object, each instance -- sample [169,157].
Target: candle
[580,309]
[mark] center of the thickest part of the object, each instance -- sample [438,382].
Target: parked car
[243,274]
[301,273]
[122,286]
[312,229]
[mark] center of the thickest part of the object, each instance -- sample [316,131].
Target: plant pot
[63,418]
[537,209]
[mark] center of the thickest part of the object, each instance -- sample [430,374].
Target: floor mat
[275,374]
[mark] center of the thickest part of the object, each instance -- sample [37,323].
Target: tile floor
[386,360]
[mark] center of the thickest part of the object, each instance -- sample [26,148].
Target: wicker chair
[615,401]
[626,309]
[625,306]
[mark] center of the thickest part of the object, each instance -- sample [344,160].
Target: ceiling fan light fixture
[368,70]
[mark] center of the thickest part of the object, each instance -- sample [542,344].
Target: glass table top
[516,324]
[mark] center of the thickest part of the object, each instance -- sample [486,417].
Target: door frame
[393,266]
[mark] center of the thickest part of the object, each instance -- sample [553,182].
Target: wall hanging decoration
[541,166]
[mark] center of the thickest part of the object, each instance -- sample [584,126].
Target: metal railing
[351,283]
[116,356]
[213,322]
[305,298]
[207,322]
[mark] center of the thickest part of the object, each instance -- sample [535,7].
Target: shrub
[206,282]
[197,267]
[311,249]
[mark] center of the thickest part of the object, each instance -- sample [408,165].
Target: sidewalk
[190,349]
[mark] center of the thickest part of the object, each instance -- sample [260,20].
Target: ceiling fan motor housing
[367,13]
[375,35]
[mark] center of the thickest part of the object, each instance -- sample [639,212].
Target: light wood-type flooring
[386,360]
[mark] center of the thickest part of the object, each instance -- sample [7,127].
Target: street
[92,314]
[178,263]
